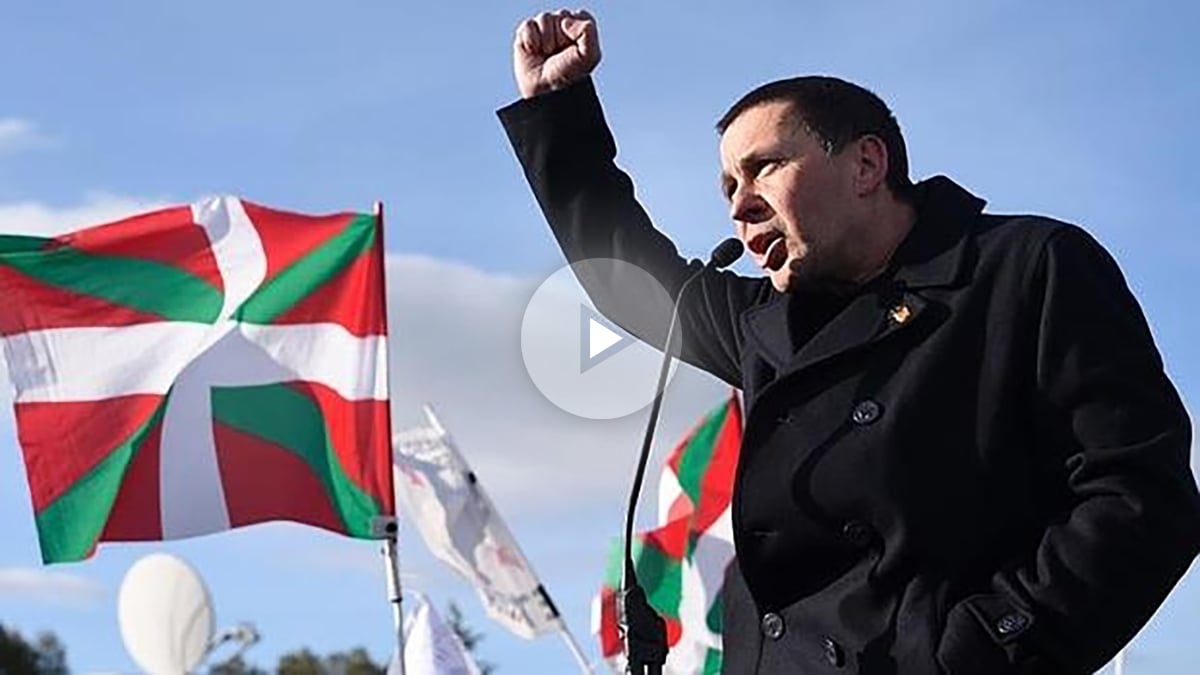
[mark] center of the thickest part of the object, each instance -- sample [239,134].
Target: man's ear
[871,164]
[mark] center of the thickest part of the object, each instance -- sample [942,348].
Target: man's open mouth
[769,246]
[759,243]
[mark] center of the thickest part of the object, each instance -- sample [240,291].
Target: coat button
[866,412]
[833,652]
[772,625]
[858,533]
[1012,623]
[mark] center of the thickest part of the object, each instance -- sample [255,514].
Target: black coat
[976,466]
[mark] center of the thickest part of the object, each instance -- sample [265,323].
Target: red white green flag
[196,369]
[681,564]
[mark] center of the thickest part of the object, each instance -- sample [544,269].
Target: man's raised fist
[554,49]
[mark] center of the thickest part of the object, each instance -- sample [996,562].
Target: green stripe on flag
[712,662]
[20,243]
[144,285]
[662,578]
[659,574]
[715,613]
[616,563]
[69,527]
[697,454]
[307,274]
[286,417]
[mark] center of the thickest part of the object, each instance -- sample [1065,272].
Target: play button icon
[581,360]
[600,339]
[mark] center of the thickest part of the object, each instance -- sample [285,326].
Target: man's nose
[747,206]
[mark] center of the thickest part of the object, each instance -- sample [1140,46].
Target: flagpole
[563,629]
[567,636]
[391,548]
[392,569]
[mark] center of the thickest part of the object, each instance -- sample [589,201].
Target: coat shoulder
[1003,231]
[1011,250]
[1022,240]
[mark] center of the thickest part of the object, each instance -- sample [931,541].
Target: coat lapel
[869,318]
[933,255]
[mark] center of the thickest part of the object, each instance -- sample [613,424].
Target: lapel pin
[900,313]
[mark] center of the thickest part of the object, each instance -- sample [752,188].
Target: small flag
[459,524]
[431,647]
[681,564]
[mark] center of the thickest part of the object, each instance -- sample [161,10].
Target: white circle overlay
[581,361]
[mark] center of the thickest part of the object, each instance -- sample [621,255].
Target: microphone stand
[644,632]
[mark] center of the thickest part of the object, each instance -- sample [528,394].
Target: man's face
[790,202]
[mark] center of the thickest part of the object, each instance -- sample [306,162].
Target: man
[961,455]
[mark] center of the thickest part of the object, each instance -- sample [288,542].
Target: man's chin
[784,280]
[795,277]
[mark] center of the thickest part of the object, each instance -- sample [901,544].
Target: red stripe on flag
[34,305]
[358,431]
[675,459]
[674,630]
[671,539]
[169,236]
[265,482]
[63,441]
[717,484]
[610,636]
[287,236]
[137,512]
[681,508]
[351,298]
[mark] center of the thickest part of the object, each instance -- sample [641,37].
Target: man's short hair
[835,112]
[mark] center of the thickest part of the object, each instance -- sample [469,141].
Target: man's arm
[568,155]
[1115,424]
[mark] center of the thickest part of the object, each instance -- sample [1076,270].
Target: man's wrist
[540,88]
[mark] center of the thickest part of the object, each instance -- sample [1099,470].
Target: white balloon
[165,614]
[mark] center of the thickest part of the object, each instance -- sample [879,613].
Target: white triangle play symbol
[598,339]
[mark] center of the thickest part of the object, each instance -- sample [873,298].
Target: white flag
[431,647]
[456,519]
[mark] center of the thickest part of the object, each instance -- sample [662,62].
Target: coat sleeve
[1115,426]
[568,155]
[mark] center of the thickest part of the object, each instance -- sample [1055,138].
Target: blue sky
[1085,113]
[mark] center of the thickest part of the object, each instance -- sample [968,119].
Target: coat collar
[935,253]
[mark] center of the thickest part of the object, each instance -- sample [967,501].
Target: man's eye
[767,166]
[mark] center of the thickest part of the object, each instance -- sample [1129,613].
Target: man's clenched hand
[554,49]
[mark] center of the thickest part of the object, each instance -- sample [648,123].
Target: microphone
[726,253]
[644,631]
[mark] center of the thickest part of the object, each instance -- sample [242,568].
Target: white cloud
[58,588]
[337,558]
[18,134]
[35,218]
[455,342]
